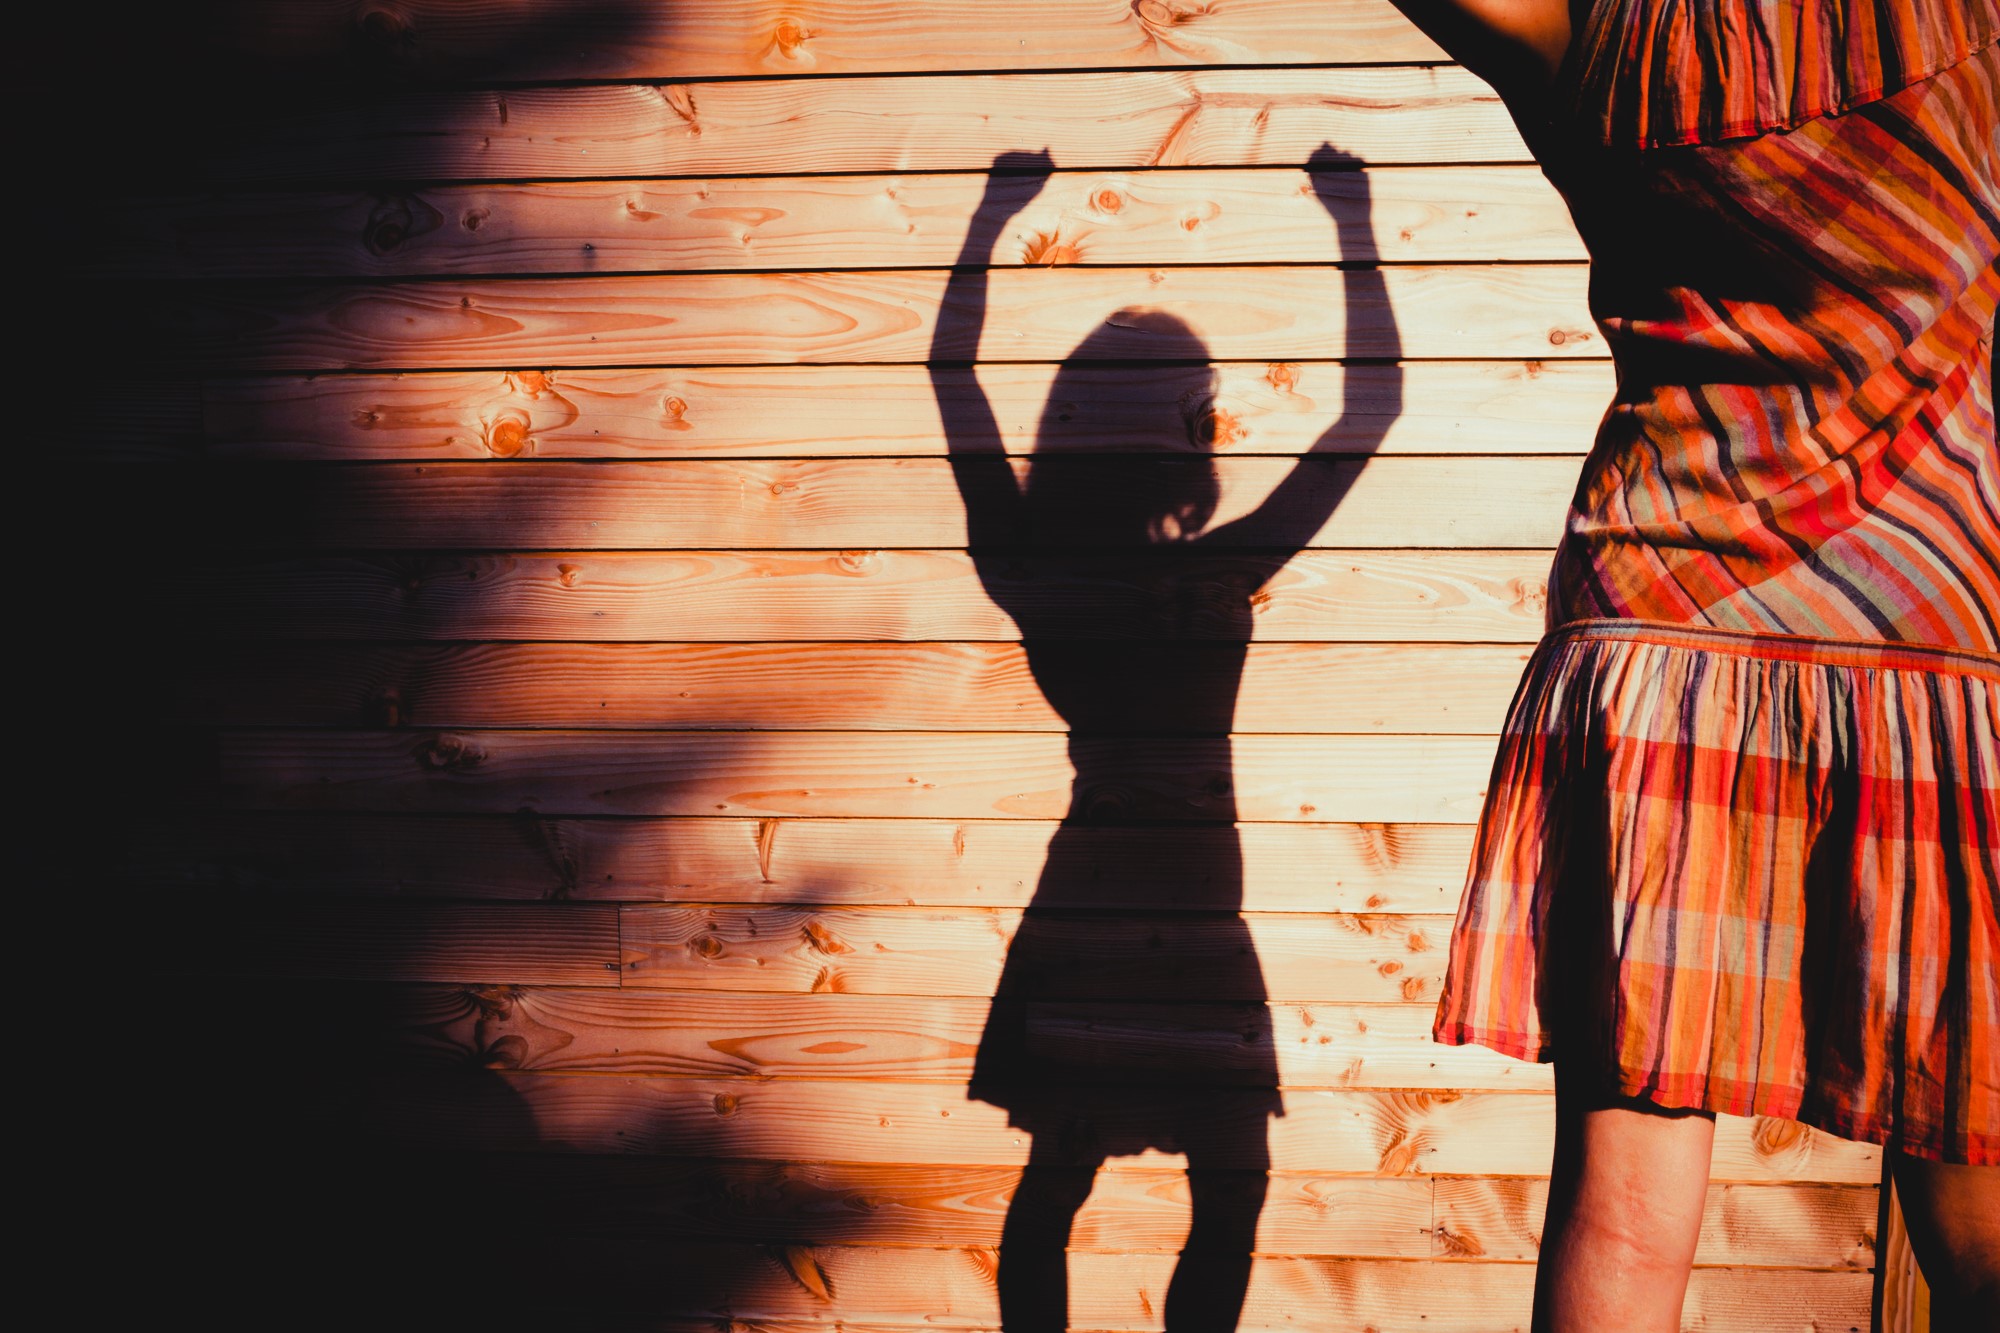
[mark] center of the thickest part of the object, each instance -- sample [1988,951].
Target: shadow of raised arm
[993,503]
[1298,506]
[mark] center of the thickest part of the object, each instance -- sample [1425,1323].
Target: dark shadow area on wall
[321,1143]
[239,1162]
[1070,1049]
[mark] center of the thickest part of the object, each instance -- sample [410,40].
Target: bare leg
[1953,1213]
[1625,1203]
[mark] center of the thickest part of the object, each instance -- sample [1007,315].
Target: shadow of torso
[1122,1002]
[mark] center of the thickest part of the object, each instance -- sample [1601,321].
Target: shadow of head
[1167,401]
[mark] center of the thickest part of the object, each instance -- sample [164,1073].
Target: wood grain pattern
[837,1035]
[954,1289]
[1305,867]
[1278,215]
[598,784]
[1828,1227]
[587,39]
[1032,314]
[773,596]
[526,943]
[1281,407]
[898,502]
[909,775]
[878,1121]
[1165,118]
[1370,957]
[1903,1302]
[1137,1209]
[1441,689]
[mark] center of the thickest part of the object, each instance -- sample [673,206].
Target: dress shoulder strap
[1651,73]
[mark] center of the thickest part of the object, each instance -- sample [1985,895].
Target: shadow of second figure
[1132,1011]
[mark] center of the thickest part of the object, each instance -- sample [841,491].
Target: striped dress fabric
[1741,847]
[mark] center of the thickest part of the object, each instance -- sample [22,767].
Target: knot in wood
[1457,1246]
[1106,801]
[395,219]
[790,34]
[856,562]
[1400,1158]
[1050,249]
[680,100]
[1107,201]
[1159,14]
[1773,1135]
[383,31]
[446,752]
[821,940]
[509,1052]
[508,436]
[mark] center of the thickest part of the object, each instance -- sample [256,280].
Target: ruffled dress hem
[1667,73]
[1747,873]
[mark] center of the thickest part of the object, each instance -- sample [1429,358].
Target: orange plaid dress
[1741,849]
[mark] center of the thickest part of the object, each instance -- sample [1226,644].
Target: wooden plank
[1057,954]
[1260,216]
[900,502]
[1129,1210]
[880,1121]
[951,1288]
[1902,1297]
[909,775]
[1188,688]
[818,411]
[1816,1227]
[774,596]
[589,39]
[835,1035]
[1401,868]
[525,943]
[954,122]
[1030,314]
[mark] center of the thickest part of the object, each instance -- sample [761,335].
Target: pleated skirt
[1748,873]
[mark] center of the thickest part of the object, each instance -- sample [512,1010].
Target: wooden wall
[599,786]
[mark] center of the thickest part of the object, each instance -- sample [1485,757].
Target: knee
[1624,1230]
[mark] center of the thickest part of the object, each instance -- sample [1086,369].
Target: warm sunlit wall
[618,787]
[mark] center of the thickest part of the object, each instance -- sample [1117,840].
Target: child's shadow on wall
[1087,1081]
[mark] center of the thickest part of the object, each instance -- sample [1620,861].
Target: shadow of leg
[1034,1261]
[1213,1276]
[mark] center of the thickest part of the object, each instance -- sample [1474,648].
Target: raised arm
[978,458]
[1300,505]
[1515,45]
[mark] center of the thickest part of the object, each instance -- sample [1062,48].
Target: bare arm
[1515,45]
